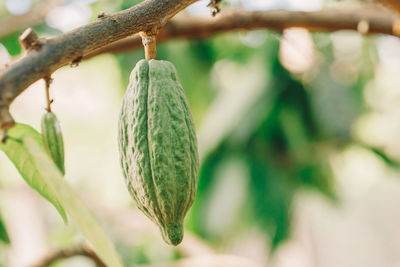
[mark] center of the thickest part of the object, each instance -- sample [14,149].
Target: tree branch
[51,54]
[393,4]
[68,253]
[101,35]
[36,16]
[277,20]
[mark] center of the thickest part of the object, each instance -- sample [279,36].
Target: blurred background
[298,136]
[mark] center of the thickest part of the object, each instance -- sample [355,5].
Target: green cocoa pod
[53,140]
[158,146]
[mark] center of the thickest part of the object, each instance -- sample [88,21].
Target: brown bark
[56,52]
[277,20]
[11,24]
[393,4]
[100,36]
[54,256]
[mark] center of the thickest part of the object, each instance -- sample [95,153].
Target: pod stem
[48,81]
[149,42]
[3,136]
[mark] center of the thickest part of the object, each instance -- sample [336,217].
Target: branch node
[102,15]
[396,27]
[76,61]
[214,5]
[6,120]
[149,41]
[4,66]
[363,27]
[29,40]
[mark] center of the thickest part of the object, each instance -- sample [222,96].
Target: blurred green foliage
[290,130]
[279,151]
[12,44]
[3,232]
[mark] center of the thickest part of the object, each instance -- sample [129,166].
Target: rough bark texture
[319,21]
[47,55]
[53,53]
[393,4]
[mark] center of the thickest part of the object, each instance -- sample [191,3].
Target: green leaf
[20,130]
[75,207]
[25,164]
[3,232]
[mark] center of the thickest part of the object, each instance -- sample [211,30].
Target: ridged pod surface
[158,146]
[53,139]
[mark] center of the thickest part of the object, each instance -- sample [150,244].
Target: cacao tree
[217,117]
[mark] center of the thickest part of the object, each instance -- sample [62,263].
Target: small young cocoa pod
[158,146]
[53,140]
